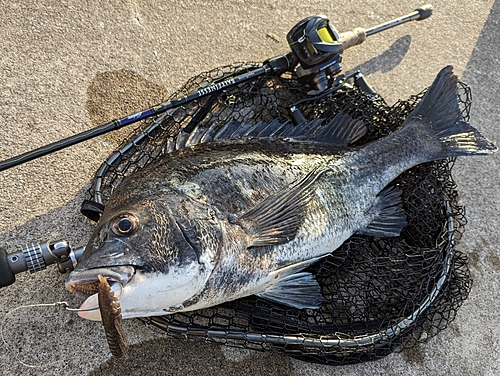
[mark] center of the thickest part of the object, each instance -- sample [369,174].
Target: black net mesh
[382,295]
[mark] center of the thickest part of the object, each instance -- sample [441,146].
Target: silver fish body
[228,218]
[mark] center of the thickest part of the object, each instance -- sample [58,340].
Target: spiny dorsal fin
[342,130]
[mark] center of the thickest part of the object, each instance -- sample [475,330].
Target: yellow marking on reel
[325,35]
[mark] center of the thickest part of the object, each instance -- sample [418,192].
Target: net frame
[382,295]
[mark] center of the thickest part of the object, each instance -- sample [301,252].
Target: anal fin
[390,217]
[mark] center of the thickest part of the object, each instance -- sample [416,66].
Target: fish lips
[87,282]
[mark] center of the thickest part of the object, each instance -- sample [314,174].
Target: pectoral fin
[277,219]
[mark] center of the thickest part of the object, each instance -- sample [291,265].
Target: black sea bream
[246,213]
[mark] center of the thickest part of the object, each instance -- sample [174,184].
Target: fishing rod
[315,57]
[34,257]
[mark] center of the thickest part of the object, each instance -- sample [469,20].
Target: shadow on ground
[188,358]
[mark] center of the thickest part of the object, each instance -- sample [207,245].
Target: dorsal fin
[342,130]
[268,129]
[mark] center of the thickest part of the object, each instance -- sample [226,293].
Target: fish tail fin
[440,112]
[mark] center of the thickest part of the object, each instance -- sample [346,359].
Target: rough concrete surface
[66,66]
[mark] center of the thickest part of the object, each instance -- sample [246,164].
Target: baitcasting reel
[318,47]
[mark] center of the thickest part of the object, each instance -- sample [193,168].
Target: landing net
[381,295]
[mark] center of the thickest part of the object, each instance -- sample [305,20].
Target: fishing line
[17,337]
[32,352]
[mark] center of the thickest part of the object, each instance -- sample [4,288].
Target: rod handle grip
[7,277]
[353,37]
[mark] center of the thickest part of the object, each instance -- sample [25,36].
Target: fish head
[156,253]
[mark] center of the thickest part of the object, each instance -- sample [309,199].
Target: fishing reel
[318,47]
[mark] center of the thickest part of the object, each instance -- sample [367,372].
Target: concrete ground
[66,66]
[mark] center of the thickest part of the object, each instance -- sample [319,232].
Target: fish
[245,208]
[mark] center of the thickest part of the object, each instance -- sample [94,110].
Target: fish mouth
[87,282]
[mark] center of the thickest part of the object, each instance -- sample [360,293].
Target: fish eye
[124,224]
